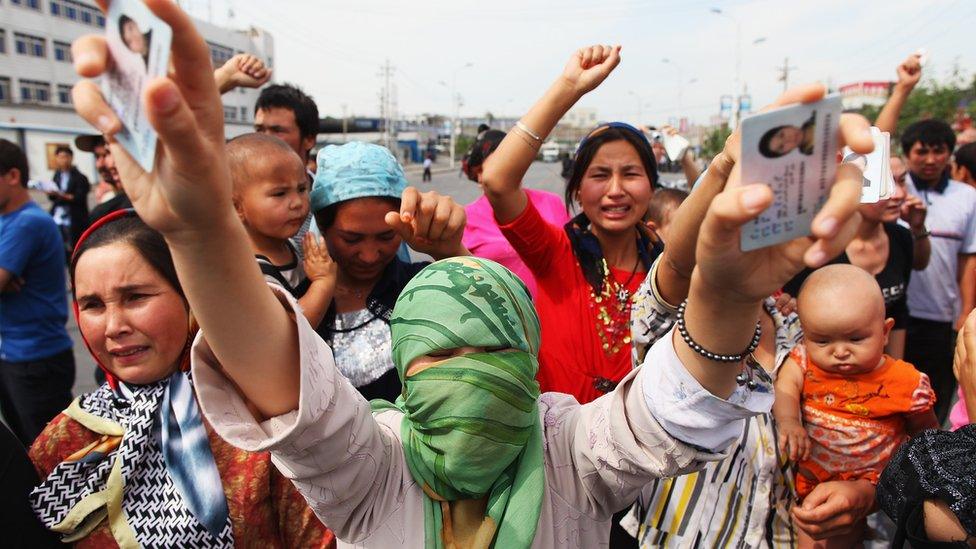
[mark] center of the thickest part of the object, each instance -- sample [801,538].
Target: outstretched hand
[191,180]
[589,67]
[751,276]
[430,223]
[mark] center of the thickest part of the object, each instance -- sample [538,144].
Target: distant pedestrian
[37,367]
[428,161]
[69,204]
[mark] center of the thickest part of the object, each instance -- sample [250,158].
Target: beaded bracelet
[695,346]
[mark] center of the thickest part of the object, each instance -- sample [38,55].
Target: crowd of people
[605,368]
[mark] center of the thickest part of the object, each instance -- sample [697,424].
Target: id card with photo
[139,43]
[793,150]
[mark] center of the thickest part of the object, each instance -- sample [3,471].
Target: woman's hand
[751,276]
[187,197]
[589,67]
[189,190]
[430,223]
[501,178]
[728,285]
[834,508]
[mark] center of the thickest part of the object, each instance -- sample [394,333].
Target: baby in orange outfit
[843,406]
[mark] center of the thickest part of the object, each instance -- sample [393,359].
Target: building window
[230,114]
[3,41]
[219,54]
[32,91]
[5,89]
[78,11]
[33,46]
[32,4]
[62,51]
[64,94]
[243,114]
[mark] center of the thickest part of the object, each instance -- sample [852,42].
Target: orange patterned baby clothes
[856,422]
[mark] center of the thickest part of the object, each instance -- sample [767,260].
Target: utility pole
[386,104]
[784,73]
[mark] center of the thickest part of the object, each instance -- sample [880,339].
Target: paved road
[544,176]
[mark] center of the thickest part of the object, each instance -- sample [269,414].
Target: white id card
[139,43]
[793,150]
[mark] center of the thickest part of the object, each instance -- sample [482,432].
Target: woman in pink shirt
[482,236]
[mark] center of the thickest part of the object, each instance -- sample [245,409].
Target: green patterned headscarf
[471,422]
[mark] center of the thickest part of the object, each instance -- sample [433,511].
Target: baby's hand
[793,441]
[318,263]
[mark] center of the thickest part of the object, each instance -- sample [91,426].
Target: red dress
[266,511]
[584,337]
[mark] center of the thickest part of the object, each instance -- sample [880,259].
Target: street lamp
[681,80]
[640,107]
[738,64]
[457,107]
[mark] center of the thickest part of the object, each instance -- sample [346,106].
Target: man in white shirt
[941,296]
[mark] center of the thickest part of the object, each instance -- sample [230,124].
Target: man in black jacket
[70,202]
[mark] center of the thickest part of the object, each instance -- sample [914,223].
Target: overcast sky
[334,50]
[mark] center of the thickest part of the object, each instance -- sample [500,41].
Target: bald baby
[842,312]
[256,157]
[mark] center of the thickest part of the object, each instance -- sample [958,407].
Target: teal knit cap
[355,170]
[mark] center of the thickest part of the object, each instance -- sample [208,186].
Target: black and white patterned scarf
[130,485]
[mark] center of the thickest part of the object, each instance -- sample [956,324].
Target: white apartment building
[36,76]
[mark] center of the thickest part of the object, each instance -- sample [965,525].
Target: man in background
[286,112]
[37,367]
[69,204]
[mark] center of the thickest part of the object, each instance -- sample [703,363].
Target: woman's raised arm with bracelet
[505,168]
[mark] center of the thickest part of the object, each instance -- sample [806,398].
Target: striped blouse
[741,501]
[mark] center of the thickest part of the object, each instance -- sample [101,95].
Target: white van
[550,151]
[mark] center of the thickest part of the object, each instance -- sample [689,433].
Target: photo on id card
[793,150]
[139,43]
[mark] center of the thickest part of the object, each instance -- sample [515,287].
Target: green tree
[714,141]
[934,99]
[462,144]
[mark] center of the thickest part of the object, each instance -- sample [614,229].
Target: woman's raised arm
[187,197]
[505,168]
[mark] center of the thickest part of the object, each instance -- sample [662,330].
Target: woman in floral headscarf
[133,463]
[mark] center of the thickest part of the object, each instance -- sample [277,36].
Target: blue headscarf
[355,170]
